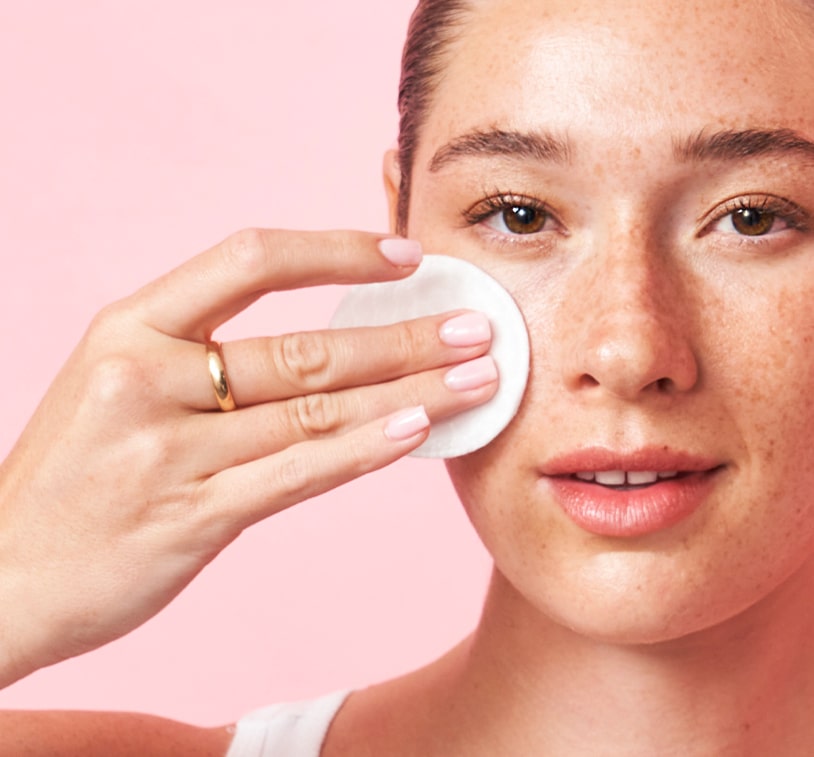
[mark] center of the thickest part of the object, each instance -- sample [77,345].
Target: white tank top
[295,729]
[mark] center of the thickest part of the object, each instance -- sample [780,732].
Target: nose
[629,315]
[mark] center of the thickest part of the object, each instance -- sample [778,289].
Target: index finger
[194,299]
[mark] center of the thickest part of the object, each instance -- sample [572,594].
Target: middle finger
[293,365]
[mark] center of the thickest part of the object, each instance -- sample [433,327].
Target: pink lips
[660,488]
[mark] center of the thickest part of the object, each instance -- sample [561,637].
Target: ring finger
[265,429]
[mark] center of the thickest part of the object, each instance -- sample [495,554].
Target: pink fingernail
[472,375]
[402,252]
[466,330]
[407,423]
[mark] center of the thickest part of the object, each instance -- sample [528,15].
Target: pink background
[133,135]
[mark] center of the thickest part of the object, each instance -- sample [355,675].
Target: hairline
[424,60]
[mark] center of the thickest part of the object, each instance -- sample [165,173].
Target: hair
[431,31]
[430,35]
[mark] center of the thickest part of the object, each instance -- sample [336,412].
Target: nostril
[631,351]
[586,381]
[665,384]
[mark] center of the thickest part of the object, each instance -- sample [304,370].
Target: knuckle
[409,341]
[358,456]
[355,255]
[306,358]
[106,324]
[294,477]
[315,414]
[343,244]
[110,374]
[247,250]
[114,380]
[152,448]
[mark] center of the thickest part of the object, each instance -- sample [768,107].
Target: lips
[625,495]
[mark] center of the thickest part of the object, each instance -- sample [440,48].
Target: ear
[392,183]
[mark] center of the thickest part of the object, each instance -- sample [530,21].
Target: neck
[742,688]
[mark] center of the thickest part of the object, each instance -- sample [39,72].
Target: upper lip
[657,459]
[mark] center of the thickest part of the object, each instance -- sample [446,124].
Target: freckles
[598,170]
[499,496]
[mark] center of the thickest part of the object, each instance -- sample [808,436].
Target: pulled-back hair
[429,35]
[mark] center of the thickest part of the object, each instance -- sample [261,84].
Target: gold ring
[220,382]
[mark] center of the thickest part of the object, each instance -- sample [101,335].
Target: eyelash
[791,214]
[782,209]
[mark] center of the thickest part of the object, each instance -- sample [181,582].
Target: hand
[129,480]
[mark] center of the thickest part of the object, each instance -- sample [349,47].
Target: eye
[512,215]
[759,217]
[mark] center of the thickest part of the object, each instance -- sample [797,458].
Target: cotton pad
[440,284]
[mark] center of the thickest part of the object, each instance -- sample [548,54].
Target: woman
[642,181]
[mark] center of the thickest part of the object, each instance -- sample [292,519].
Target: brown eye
[522,219]
[753,222]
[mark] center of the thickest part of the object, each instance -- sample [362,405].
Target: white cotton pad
[441,284]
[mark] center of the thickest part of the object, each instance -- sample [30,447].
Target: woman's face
[641,181]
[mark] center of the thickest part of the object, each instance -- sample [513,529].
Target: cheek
[754,403]
[757,385]
[499,484]
[761,372]
[499,489]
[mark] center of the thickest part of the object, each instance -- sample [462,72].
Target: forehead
[631,67]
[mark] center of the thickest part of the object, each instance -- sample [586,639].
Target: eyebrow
[537,145]
[737,145]
[725,145]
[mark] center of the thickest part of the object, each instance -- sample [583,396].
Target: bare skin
[657,322]
[102,734]
[128,480]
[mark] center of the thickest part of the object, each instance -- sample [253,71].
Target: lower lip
[631,512]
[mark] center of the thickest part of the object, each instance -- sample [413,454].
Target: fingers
[310,406]
[194,299]
[269,369]
[265,429]
[245,494]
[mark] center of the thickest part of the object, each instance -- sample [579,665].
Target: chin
[634,600]
[641,629]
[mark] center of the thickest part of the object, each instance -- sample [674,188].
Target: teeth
[622,478]
[610,477]
[642,477]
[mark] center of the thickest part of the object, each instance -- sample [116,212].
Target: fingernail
[405,252]
[471,375]
[407,423]
[466,330]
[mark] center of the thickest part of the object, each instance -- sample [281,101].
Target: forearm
[105,734]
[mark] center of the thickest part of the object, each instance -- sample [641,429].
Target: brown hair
[428,38]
